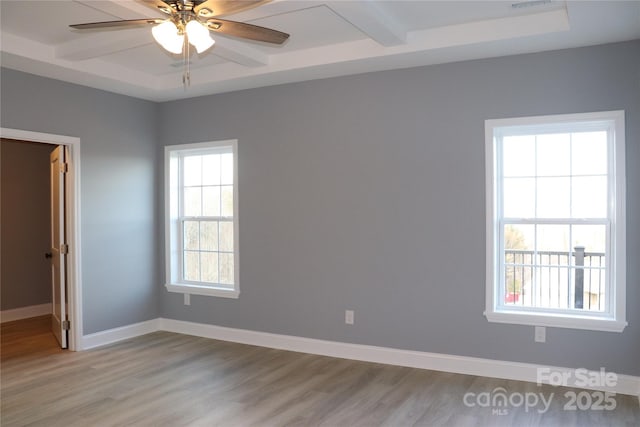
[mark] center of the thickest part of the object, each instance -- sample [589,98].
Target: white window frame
[614,317]
[173,241]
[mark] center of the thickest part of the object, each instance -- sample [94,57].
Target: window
[201,203]
[556,221]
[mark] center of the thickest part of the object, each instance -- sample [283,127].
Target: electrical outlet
[348,317]
[540,334]
[187,299]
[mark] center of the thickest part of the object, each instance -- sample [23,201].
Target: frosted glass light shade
[198,36]
[166,34]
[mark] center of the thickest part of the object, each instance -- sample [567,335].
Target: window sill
[203,290]
[557,321]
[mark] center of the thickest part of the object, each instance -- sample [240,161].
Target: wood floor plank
[166,379]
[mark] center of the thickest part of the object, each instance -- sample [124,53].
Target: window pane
[191,235]
[589,243]
[519,197]
[553,197]
[519,156]
[193,201]
[589,153]
[553,257]
[192,170]
[592,237]
[589,197]
[594,295]
[226,236]
[227,200]
[519,236]
[553,238]
[552,287]
[211,201]
[553,155]
[518,256]
[209,262]
[192,266]
[209,235]
[513,285]
[211,169]
[226,269]
[226,167]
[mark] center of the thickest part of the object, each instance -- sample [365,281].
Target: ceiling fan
[189,23]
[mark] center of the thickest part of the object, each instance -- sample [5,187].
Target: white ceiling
[328,38]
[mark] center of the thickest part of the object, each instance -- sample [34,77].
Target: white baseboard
[25,312]
[624,384]
[118,334]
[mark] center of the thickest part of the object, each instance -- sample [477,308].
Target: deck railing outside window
[548,279]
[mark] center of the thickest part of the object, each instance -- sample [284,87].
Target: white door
[59,248]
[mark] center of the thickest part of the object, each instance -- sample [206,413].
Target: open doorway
[72,319]
[26,273]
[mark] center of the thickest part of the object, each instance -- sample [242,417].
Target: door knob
[48,255]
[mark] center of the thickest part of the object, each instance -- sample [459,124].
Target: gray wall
[363,192]
[26,224]
[367,193]
[118,189]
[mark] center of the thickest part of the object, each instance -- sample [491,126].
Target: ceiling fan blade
[111,24]
[246,31]
[211,8]
[169,7]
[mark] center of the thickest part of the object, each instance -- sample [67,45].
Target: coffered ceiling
[328,38]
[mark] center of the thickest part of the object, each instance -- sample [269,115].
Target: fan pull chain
[186,74]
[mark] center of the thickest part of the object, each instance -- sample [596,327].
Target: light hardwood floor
[165,379]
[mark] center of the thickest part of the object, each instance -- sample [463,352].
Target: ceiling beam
[371,18]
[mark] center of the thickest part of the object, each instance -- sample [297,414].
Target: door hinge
[64,249]
[66,325]
[64,167]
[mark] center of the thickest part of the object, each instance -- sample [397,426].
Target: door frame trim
[72,216]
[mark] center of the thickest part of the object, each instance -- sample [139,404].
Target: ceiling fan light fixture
[168,36]
[198,36]
[189,24]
